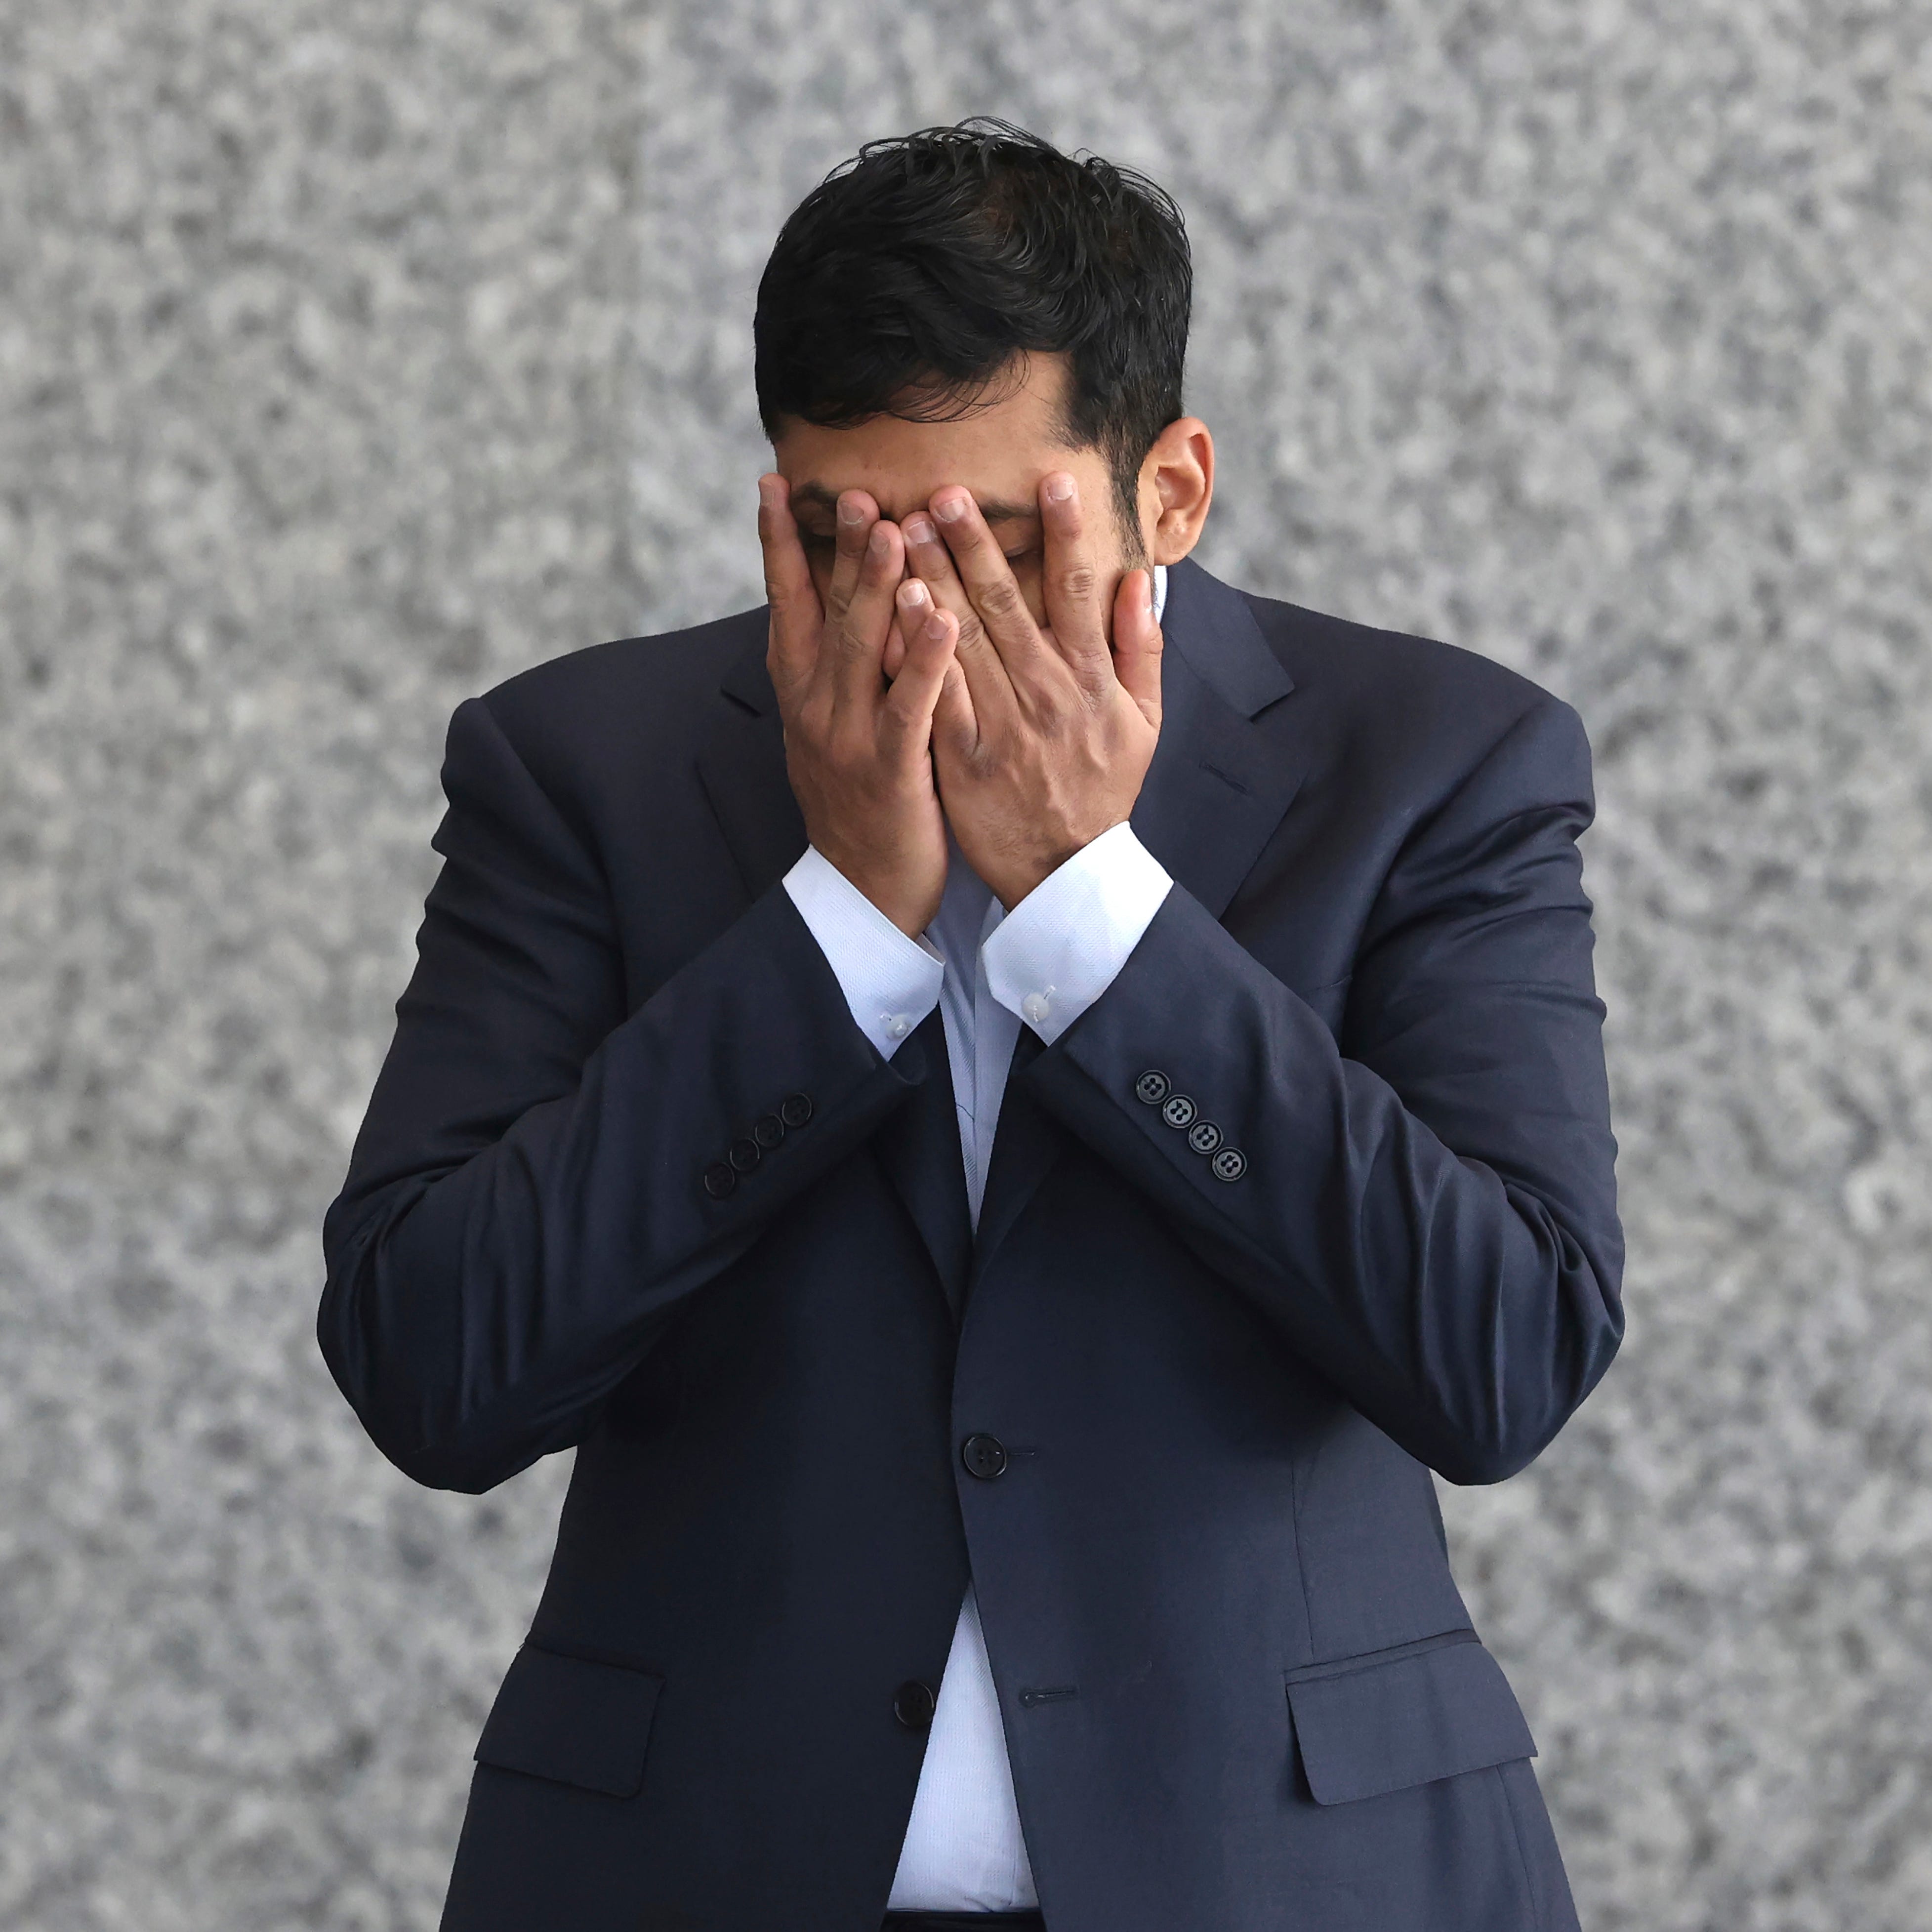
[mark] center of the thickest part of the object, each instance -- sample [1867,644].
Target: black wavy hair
[908,281]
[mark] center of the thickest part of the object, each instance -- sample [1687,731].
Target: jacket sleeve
[1427,1213]
[527,1201]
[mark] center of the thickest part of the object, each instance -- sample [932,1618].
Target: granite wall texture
[353,356]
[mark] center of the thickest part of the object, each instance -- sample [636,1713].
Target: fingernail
[850,512]
[935,627]
[1059,489]
[917,530]
[880,541]
[912,595]
[767,490]
[949,509]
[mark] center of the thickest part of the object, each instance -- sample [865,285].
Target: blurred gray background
[354,355]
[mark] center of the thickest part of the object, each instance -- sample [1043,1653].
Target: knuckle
[1080,581]
[1001,598]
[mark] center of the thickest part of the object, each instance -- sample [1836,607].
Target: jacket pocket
[1399,1717]
[570,1720]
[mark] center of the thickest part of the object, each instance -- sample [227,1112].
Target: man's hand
[859,748]
[1043,736]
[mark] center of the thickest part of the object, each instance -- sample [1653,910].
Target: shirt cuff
[1061,948]
[890,982]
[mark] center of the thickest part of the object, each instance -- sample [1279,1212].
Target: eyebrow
[995,509]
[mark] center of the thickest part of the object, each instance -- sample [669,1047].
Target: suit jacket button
[768,1132]
[719,1179]
[913,1704]
[1152,1087]
[985,1456]
[744,1154]
[1230,1164]
[1203,1137]
[1178,1111]
[795,1109]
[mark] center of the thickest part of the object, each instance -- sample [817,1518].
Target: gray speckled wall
[352,357]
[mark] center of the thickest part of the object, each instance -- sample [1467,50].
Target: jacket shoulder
[632,704]
[1416,718]
[1396,675]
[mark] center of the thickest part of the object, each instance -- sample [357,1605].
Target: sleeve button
[719,1179]
[1179,1111]
[1151,1087]
[768,1132]
[744,1154]
[795,1109]
[1230,1164]
[1203,1137]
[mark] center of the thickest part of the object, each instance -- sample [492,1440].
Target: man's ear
[1177,486]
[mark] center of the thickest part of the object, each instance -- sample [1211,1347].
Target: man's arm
[540,1179]
[1427,1213]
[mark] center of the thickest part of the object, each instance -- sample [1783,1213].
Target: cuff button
[795,1109]
[768,1132]
[745,1155]
[719,1179]
[1203,1137]
[1151,1087]
[1179,1111]
[1230,1164]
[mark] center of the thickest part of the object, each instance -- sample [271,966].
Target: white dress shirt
[1046,963]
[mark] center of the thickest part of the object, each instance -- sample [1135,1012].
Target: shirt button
[913,1704]
[1179,1111]
[1151,1087]
[985,1456]
[896,1025]
[768,1132]
[719,1181]
[1038,1006]
[795,1109]
[744,1154]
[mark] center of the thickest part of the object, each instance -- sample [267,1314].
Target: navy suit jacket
[1241,1690]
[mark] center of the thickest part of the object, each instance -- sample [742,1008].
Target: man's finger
[955,727]
[980,665]
[905,720]
[854,515]
[855,643]
[1138,644]
[1072,585]
[991,584]
[793,598]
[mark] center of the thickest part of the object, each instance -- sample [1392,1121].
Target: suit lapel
[741,765]
[1228,766]
[1226,771]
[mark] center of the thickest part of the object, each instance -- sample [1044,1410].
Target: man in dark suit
[1012,1105]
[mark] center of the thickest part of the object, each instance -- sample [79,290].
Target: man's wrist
[881,887]
[1018,882]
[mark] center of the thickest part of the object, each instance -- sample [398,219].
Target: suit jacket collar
[1225,772]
